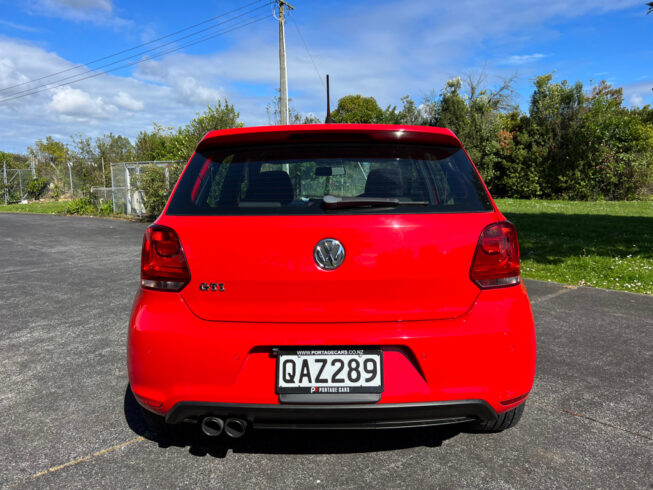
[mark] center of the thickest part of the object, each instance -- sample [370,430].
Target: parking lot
[66,286]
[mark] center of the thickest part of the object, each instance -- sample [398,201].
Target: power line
[292,17]
[174,41]
[261,2]
[148,58]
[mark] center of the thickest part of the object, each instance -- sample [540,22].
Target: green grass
[606,244]
[49,207]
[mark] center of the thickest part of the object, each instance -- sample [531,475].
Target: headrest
[271,186]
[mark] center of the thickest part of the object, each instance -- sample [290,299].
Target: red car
[331,276]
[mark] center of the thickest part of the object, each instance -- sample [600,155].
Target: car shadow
[285,441]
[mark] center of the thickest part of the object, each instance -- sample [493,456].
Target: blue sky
[386,49]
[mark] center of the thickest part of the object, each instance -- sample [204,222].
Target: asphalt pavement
[69,420]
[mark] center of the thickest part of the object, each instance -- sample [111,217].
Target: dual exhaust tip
[233,427]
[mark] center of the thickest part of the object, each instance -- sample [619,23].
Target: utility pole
[282,60]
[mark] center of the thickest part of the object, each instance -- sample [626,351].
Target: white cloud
[109,103]
[126,101]
[99,12]
[76,103]
[19,27]
[639,94]
[70,8]
[181,73]
[523,59]
[106,5]
[20,63]
[636,100]
[191,91]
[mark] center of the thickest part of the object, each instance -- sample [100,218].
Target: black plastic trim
[361,416]
[400,424]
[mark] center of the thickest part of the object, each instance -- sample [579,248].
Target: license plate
[329,371]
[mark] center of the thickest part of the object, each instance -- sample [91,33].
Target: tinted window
[292,179]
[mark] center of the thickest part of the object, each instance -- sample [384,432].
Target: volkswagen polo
[331,276]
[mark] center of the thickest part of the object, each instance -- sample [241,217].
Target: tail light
[496,260]
[163,263]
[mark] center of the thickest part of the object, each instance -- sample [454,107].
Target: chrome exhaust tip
[212,426]
[235,428]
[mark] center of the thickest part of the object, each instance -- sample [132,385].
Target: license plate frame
[329,353]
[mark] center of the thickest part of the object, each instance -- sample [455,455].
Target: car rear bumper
[381,416]
[176,359]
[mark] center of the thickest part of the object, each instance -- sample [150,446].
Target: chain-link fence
[15,183]
[68,181]
[125,193]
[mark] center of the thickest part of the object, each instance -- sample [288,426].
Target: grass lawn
[46,207]
[601,244]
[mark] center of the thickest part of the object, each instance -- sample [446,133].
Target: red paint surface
[488,353]
[397,267]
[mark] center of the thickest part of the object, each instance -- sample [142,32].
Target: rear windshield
[294,178]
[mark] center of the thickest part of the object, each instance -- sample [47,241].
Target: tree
[219,116]
[164,143]
[156,145]
[555,117]
[110,147]
[51,158]
[645,113]
[575,145]
[471,110]
[358,109]
[617,146]
[650,7]
[311,119]
[92,156]
[13,160]
[451,109]
[409,114]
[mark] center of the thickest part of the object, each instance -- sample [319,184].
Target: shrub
[55,191]
[105,209]
[82,206]
[36,188]
[88,206]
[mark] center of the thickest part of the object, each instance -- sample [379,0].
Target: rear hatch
[408,217]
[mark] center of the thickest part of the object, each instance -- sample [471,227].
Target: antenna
[328,119]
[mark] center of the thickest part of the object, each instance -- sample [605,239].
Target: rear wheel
[504,421]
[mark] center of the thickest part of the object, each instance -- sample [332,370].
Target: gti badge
[205,286]
[329,254]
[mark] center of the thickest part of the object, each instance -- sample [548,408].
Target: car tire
[504,421]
